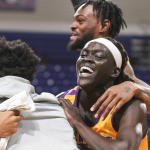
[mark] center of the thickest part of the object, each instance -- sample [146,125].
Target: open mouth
[73,37]
[86,70]
[73,33]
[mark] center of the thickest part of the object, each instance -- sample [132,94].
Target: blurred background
[44,26]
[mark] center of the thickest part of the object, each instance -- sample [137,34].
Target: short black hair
[108,10]
[122,76]
[17,59]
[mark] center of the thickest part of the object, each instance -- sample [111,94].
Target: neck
[101,35]
[89,96]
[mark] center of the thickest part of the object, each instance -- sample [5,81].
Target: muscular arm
[122,93]
[143,91]
[131,128]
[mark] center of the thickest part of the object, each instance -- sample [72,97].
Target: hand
[71,112]
[9,122]
[116,95]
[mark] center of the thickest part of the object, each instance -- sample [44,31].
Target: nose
[73,25]
[88,58]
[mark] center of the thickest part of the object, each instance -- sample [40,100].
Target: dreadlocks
[108,10]
[122,76]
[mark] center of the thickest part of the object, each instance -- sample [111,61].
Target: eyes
[80,21]
[95,56]
[83,55]
[98,56]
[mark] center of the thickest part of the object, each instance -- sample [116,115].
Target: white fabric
[21,102]
[44,129]
[60,94]
[79,8]
[113,49]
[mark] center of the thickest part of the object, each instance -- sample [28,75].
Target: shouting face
[95,66]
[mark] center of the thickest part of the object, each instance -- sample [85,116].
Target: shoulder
[73,91]
[131,113]
[70,91]
[134,105]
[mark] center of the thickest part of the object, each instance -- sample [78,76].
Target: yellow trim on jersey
[104,128]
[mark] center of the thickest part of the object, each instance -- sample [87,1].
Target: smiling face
[94,66]
[84,28]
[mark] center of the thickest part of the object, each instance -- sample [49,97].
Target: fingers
[19,118]
[100,101]
[110,107]
[118,106]
[13,113]
[105,104]
[8,133]
[14,116]
[9,122]
[63,102]
[16,113]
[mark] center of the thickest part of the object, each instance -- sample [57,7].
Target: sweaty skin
[86,25]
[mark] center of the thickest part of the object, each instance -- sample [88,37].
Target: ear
[103,28]
[115,73]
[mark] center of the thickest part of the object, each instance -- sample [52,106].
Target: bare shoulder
[134,106]
[132,113]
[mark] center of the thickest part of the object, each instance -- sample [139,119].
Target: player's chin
[71,46]
[73,39]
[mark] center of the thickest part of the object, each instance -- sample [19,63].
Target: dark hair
[108,10]
[17,59]
[122,76]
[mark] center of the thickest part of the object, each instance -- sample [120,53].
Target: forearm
[143,94]
[142,89]
[95,141]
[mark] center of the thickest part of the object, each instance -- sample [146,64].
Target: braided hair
[17,59]
[122,76]
[107,10]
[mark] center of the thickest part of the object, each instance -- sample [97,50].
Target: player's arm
[120,94]
[132,127]
[143,89]
[76,3]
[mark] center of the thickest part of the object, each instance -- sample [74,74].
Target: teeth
[86,68]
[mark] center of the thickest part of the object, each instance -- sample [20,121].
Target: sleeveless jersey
[104,128]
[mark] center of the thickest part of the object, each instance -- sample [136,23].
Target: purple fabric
[75,92]
[65,94]
[96,121]
[76,96]
[112,122]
